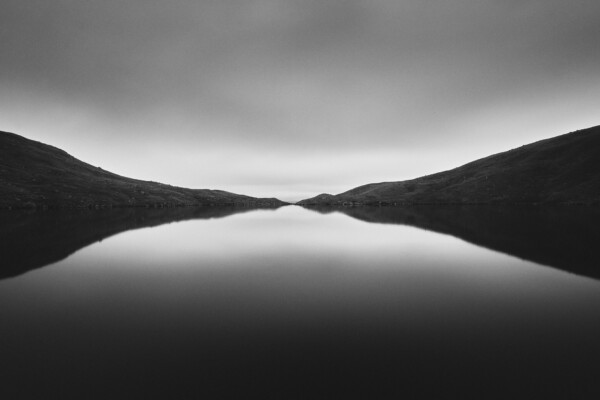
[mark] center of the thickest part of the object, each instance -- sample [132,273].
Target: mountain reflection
[562,237]
[30,240]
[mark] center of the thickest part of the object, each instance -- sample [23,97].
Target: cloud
[296,77]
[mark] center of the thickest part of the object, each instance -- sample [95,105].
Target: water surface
[297,303]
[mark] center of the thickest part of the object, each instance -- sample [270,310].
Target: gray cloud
[296,77]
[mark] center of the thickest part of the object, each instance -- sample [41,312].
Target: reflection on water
[30,240]
[297,304]
[561,237]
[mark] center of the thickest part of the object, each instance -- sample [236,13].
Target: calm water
[300,303]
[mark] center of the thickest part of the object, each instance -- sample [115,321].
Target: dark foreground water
[414,302]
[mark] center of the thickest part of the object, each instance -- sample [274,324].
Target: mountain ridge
[37,175]
[559,170]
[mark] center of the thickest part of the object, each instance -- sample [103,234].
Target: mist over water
[293,303]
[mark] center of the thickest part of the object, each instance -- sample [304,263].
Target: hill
[36,175]
[563,169]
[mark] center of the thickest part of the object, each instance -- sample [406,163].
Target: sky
[292,98]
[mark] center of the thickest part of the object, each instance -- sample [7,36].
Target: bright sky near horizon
[291,98]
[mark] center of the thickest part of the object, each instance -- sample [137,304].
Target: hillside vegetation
[36,175]
[563,169]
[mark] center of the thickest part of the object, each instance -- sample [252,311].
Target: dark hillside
[563,169]
[33,174]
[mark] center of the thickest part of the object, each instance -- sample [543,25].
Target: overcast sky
[291,98]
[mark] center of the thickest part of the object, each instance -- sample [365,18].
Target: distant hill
[563,169]
[36,175]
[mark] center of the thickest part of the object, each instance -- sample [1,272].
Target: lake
[370,302]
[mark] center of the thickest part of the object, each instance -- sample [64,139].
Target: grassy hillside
[563,169]
[33,174]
